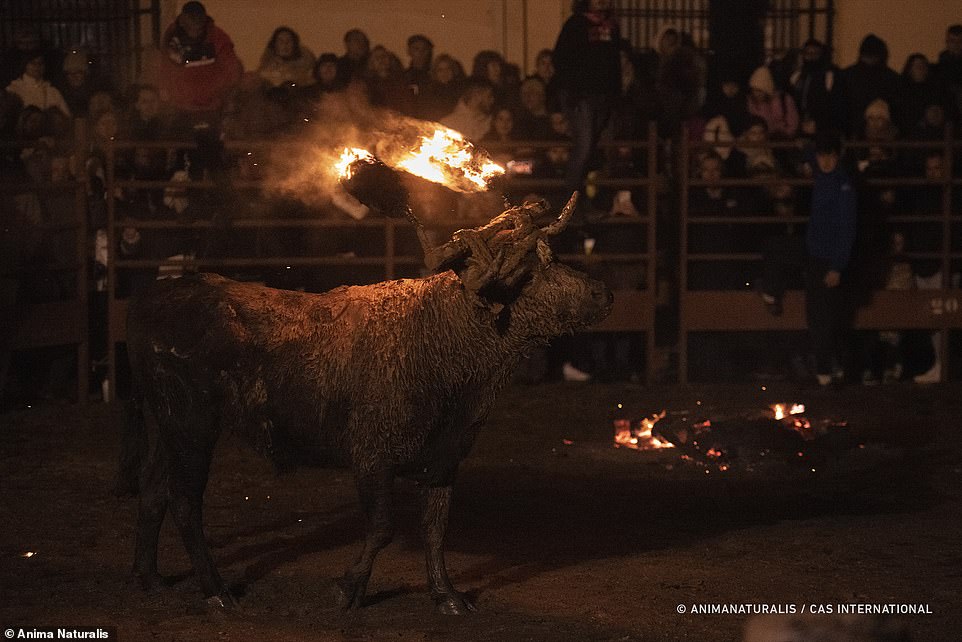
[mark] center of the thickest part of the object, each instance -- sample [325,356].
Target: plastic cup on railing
[589,246]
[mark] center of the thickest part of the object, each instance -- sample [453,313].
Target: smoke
[305,169]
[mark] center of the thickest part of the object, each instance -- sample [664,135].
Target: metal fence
[116,32]
[788,23]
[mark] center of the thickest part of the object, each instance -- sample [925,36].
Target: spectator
[502,126]
[545,72]
[949,70]
[532,122]
[325,76]
[418,74]
[588,64]
[878,126]
[472,115]
[33,89]
[735,161]
[199,67]
[815,88]
[352,65]
[680,83]
[868,79]
[285,61]
[79,82]
[829,239]
[712,199]
[776,107]
[932,124]
[920,89]
[145,121]
[728,101]
[26,43]
[443,92]
[385,82]
[490,66]
[754,145]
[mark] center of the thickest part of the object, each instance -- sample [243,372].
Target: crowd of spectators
[58,110]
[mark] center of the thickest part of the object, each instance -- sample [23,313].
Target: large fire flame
[445,157]
[437,154]
[640,437]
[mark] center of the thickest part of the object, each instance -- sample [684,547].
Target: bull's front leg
[434,523]
[375,490]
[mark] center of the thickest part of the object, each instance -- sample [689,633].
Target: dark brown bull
[394,378]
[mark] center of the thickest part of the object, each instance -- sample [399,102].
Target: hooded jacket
[586,56]
[197,76]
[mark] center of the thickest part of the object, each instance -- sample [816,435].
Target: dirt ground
[553,541]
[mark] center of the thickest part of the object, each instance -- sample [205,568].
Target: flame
[794,409]
[445,157]
[342,168]
[640,437]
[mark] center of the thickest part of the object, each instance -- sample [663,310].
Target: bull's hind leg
[375,490]
[150,516]
[190,456]
[434,523]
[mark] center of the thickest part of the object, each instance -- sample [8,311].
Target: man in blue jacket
[829,239]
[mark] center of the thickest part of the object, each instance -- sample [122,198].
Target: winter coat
[586,56]
[197,76]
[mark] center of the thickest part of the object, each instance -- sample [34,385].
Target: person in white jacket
[34,90]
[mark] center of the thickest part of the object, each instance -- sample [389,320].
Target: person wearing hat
[776,107]
[869,78]
[199,65]
[78,82]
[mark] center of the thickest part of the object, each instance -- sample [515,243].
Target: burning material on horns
[427,150]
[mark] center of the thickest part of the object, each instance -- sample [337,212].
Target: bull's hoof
[149,582]
[225,601]
[454,604]
[349,595]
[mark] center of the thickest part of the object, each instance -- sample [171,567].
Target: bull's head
[508,264]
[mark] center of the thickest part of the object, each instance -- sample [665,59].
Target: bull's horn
[563,218]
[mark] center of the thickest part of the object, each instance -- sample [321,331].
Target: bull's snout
[602,298]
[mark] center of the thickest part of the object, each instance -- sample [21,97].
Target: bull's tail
[133,446]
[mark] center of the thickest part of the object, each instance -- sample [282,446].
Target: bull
[391,379]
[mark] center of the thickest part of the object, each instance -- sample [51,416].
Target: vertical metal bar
[524,36]
[82,296]
[946,243]
[651,242]
[683,166]
[111,269]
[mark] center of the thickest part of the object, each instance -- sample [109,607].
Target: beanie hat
[878,108]
[194,8]
[762,80]
[874,46]
[75,61]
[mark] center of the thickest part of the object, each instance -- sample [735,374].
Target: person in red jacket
[199,66]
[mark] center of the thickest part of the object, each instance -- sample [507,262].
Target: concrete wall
[458,27]
[519,28]
[907,27]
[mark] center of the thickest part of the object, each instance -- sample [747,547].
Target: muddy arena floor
[553,541]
